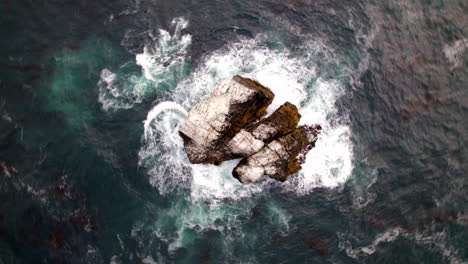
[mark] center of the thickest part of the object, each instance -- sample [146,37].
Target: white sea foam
[160,108]
[120,95]
[434,241]
[438,242]
[328,165]
[167,54]
[388,236]
[285,74]
[163,153]
[162,62]
[213,194]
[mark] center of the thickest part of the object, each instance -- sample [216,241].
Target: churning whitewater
[209,197]
[93,96]
[162,63]
[291,78]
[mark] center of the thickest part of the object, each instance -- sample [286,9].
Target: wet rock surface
[227,126]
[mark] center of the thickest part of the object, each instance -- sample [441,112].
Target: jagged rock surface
[254,137]
[280,158]
[210,125]
[223,128]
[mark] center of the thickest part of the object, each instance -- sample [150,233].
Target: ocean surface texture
[92,94]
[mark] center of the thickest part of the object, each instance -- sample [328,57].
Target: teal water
[92,169]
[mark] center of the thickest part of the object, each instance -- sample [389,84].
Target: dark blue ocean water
[92,169]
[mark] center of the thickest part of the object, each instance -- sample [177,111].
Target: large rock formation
[223,128]
[209,125]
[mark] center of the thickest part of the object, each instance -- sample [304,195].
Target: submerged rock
[223,128]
